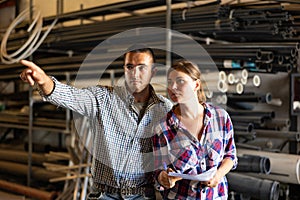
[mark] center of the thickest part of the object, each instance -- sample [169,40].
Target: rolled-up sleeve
[229,145]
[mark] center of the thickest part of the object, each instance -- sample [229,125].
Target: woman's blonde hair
[193,71]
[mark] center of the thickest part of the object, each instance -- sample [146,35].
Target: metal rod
[264,98]
[254,187]
[252,163]
[245,135]
[289,135]
[28,191]
[249,119]
[168,34]
[269,114]
[288,174]
[244,127]
[30,124]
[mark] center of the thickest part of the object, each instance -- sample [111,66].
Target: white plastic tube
[33,42]
[236,76]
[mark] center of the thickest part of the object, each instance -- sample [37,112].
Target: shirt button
[123,191]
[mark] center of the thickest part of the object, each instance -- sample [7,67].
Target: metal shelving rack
[70,63]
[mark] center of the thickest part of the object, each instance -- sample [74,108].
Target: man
[122,119]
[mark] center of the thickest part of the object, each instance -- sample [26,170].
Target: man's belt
[144,190]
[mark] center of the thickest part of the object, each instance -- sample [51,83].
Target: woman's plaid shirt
[175,146]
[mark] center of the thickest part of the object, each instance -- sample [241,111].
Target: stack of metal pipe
[243,49]
[243,39]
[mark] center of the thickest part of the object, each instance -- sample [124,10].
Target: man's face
[138,70]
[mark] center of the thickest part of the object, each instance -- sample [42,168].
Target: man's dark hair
[140,48]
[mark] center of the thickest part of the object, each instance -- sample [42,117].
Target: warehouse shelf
[234,36]
[115,8]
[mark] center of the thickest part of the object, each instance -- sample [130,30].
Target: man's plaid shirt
[122,151]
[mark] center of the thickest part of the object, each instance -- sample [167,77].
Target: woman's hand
[225,167]
[167,181]
[213,182]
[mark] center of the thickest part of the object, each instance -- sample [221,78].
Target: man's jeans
[106,196]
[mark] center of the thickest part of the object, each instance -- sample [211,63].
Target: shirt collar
[154,98]
[174,121]
[208,114]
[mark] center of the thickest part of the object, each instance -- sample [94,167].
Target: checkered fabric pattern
[175,146]
[122,150]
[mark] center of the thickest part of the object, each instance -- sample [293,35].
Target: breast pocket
[179,150]
[213,158]
[184,158]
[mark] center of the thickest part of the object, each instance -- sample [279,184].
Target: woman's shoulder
[166,122]
[216,109]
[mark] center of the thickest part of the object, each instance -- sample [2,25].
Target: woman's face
[181,87]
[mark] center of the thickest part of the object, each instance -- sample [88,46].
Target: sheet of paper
[198,177]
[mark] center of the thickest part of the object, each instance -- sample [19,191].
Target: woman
[193,138]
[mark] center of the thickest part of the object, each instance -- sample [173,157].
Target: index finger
[29,64]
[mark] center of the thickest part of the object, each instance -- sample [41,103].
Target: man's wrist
[157,184]
[48,87]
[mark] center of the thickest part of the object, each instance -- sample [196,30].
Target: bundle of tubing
[290,173]
[234,82]
[33,42]
[80,39]
[85,37]
[244,131]
[253,163]
[253,187]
